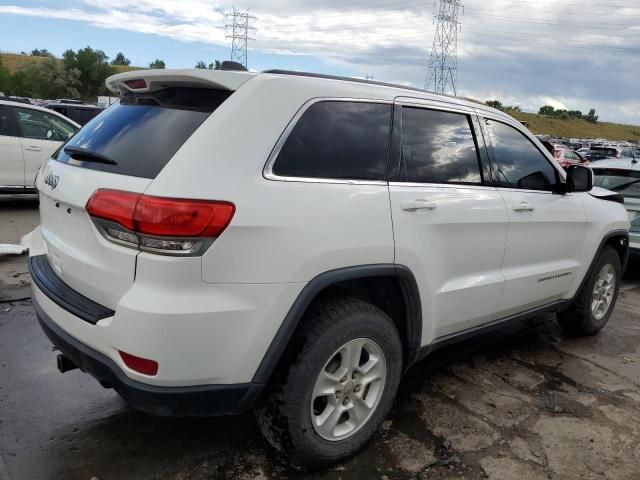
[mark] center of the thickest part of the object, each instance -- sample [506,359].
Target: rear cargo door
[123,148]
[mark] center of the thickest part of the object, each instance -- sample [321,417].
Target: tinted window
[438,147]
[340,140]
[143,131]
[43,126]
[518,163]
[5,121]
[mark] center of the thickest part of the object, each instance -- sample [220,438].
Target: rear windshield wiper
[87,155]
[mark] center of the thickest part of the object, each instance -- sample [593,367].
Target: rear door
[41,135]
[11,160]
[449,222]
[546,229]
[138,136]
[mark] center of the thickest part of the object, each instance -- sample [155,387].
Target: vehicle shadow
[19,202]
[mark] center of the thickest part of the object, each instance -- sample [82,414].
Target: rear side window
[518,163]
[143,131]
[40,125]
[5,122]
[438,147]
[337,140]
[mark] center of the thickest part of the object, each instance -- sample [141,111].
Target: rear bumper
[201,400]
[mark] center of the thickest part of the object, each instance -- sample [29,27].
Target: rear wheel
[595,302]
[340,380]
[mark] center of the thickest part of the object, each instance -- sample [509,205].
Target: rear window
[144,130]
[338,140]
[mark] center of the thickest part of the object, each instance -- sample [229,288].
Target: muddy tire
[335,384]
[595,301]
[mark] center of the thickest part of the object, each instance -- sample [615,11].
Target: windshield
[625,182]
[143,131]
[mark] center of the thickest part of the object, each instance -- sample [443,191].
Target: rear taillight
[171,226]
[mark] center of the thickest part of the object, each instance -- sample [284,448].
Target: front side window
[438,147]
[337,140]
[43,126]
[517,161]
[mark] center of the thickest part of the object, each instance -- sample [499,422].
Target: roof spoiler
[141,81]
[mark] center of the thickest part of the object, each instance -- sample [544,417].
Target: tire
[290,409]
[581,318]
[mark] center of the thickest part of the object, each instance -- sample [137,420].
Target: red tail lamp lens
[159,216]
[139,364]
[167,217]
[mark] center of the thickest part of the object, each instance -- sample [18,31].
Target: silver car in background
[623,176]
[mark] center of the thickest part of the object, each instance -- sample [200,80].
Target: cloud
[527,53]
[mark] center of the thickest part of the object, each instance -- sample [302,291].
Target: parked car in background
[596,154]
[28,136]
[78,112]
[582,151]
[565,156]
[623,176]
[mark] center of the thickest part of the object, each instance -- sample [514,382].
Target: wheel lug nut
[354,375]
[345,401]
[357,388]
[343,379]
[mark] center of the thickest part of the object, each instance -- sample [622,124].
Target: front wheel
[342,376]
[595,301]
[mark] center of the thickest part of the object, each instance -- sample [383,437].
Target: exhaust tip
[64,364]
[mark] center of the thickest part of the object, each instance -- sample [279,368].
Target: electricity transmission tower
[239,34]
[442,73]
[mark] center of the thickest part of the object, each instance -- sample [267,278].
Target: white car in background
[29,135]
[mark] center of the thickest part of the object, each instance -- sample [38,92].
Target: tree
[591,117]
[547,110]
[201,64]
[494,104]
[157,64]
[121,60]
[46,79]
[93,67]
[41,53]
[5,78]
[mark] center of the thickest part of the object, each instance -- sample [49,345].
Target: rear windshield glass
[139,135]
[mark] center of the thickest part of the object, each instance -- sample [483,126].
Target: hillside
[578,128]
[15,62]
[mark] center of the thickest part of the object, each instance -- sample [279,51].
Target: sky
[578,56]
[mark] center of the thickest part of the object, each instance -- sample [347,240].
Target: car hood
[604,194]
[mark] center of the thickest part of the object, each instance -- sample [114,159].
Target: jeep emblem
[51,180]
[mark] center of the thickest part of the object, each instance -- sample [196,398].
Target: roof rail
[345,79]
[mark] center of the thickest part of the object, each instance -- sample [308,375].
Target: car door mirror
[579,179]
[49,134]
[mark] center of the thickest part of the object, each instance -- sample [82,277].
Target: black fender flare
[291,321]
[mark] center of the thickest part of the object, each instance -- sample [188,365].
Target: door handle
[523,206]
[33,148]
[418,204]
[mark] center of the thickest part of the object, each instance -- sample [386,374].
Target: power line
[442,71]
[239,34]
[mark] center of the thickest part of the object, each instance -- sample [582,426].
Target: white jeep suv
[220,240]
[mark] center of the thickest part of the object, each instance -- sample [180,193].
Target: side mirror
[49,134]
[579,179]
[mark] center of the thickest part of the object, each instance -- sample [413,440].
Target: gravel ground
[530,404]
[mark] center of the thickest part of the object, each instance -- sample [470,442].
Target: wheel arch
[396,282]
[619,240]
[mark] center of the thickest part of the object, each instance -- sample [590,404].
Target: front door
[546,229]
[42,134]
[449,224]
[11,161]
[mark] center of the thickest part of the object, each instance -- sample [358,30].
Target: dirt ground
[533,404]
